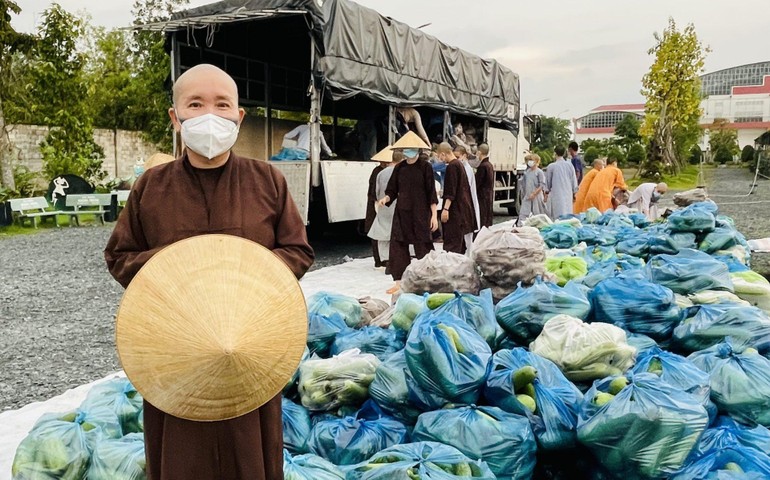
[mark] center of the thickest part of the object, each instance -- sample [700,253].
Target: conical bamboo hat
[410,140]
[384,155]
[211,328]
[157,159]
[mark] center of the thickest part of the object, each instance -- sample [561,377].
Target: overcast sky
[576,54]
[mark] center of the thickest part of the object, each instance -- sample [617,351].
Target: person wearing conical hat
[383,221]
[384,157]
[209,189]
[415,217]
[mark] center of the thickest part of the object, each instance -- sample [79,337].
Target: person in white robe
[561,185]
[383,221]
[645,198]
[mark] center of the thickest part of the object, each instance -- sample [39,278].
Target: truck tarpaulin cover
[363,52]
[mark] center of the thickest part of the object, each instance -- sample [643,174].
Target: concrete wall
[121,150]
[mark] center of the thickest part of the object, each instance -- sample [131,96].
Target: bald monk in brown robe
[485,187]
[457,215]
[209,190]
[415,218]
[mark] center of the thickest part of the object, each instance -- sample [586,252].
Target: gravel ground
[58,302]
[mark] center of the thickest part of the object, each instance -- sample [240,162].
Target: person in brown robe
[485,187]
[202,193]
[371,213]
[415,217]
[457,216]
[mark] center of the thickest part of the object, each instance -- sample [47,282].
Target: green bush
[696,155]
[722,156]
[27,182]
[764,163]
[747,154]
[636,154]
[591,154]
[617,153]
[546,157]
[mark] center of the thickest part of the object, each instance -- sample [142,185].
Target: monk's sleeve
[392,189]
[291,243]
[127,250]
[371,194]
[430,184]
[450,184]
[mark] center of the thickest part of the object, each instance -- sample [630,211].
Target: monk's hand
[433,224]
[384,201]
[532,197]
[444,216]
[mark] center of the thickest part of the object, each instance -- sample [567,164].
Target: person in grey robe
[645,198]
[561,185]
[383,221]
[531,188]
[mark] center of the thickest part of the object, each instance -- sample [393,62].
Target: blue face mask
[411,152]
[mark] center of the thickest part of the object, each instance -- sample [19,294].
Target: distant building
[740,95]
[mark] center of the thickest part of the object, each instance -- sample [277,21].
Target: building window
[723,81]
[603,119]
[749,111]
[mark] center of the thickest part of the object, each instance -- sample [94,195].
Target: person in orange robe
[600,191]
[580,198]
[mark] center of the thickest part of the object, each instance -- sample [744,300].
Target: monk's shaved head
[203,71]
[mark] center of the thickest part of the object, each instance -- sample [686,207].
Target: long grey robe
[561,186]
[530,181]
[383,221]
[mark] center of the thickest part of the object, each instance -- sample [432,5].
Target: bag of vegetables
[713,323]
[689,271]
[321,332]
[343,380]
[726,432]
[584,351]
[390,391]
[635,305]
[752,287]
[560,235]
[309,467]
[120,396]
[296,426]
[60,444]
[478,311]
[351,440]
[524,312]
[696,218]
[526,384]
[371,308]
[640,426]
[407,307]
[380,342]
[119,459]
[678,372]
[739,380]
[447,358]
[566,268]
[444,272]
[327,304]
[421,460]
[732,462]
[722,238]
[503,440]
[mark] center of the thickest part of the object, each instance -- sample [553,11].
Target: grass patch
[64,221]
[686,180]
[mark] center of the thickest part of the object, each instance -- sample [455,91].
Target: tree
[60,101]
[591,154]
[747,154]
[12,43]
[723,138]
[722,155]
[554,131]
[617,153]
[627,131]
[636,154]
[696,155]
[673,91]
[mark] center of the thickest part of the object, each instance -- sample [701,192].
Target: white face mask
[209,135]
[530,163]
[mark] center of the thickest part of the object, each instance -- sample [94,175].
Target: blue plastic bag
[661,242]
[350,440]
[636,305]
[695,218]
[560,235]
[726,432]
[684,240]
[637,246]
[729,463]
[296,426]
[593,235]
[640,342]
[503,440]
[327,304]
[739,381]
[524,312]
[592,215]
[733,264]
[689,271]
[678,372]
[120,396]
[423,460]
[477,311]
[407,308]
[721,239]
[389,389]
[447,358]
[309,467]
[321,332]
[555,420]
[640,220]
[599,271]
[380,342]
[647,430]
[713,323]
[118,459]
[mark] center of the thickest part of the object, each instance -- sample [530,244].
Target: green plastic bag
[566,268]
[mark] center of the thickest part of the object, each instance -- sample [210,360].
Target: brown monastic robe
[462,218]
[371,213]
[171,202]
[414,188]
[485,191]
